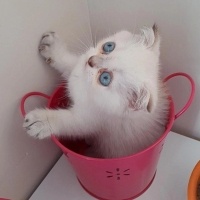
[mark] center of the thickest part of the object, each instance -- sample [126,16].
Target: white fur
[123,118]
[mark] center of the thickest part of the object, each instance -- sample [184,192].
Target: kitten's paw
[51,47]
[37,125]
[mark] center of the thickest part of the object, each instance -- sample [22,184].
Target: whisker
[87,37]
[80,46]
[95,38]
[83,43]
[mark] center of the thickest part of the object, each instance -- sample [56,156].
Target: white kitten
[118,97]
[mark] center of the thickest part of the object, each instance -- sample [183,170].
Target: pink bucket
[119,178]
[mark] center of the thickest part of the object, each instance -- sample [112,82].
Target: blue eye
[108,47]
[105,78]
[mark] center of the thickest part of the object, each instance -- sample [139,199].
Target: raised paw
[37,125]
[50,47]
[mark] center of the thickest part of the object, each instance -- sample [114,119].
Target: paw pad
[49,61]
[41,48]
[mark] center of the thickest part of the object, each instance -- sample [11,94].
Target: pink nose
[91,61]
[95,61]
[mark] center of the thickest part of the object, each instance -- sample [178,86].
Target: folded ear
[151,38]
[141,100]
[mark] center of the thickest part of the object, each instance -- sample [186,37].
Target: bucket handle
[29,95]
[191,97]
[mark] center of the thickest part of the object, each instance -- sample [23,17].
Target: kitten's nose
[94,61]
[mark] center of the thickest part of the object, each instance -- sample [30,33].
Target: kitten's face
[122,71]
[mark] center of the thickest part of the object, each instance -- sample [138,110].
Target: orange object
[194,183]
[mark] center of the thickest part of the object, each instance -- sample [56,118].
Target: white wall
[179,26]
[23,160]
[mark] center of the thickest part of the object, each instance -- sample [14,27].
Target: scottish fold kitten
[118,98]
